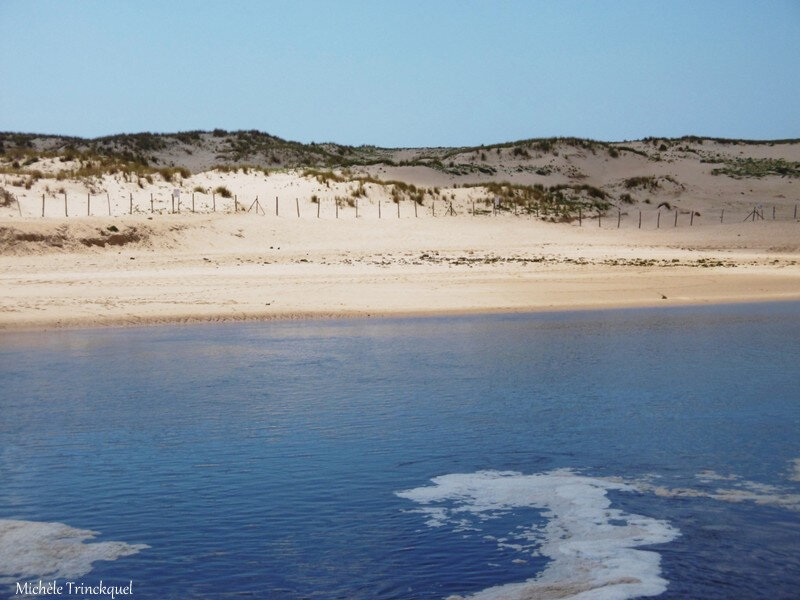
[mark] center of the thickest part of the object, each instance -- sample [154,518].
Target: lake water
[637,452]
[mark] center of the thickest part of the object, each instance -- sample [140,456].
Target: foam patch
[40,550]
[735,490]
[593,548]
[794,473]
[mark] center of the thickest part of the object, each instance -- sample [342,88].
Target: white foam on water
[737,490]
[592,547]
[794,474]
[709,475]
[33,550]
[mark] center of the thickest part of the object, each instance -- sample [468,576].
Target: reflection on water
[267,457]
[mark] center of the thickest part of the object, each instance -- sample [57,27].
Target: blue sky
[403,73]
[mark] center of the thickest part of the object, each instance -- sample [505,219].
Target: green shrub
[168,173]
[223,191]
[643,181]
[758,167]
[6,197]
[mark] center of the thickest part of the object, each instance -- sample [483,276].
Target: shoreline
[191,320]
[228,269]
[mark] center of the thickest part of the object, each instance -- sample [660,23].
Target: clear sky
[403,73]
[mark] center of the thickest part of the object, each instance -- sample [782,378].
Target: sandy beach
[187,268]
[525,226]
[387,301]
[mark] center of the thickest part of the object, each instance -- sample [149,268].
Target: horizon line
[363,145]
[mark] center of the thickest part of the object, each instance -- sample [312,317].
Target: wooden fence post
[130,203]
[398,209]
[640,219]
[89,204]
[415,209]
[108,198]
[599,216]
[795,211]
[658,220]
[379,209]
[676,218]
[151,203]
[297,204]
[42,205]
[619,217]
[580,217]
[66,212]
[255,204]
[773,213]
[319,201]
[192,201]
[276,206]
[691,219]
[433,207]
[473,208]
[356,208]
[235,204]
[722,215]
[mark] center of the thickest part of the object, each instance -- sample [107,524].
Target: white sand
[224,266]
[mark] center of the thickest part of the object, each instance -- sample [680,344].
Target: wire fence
[92,205]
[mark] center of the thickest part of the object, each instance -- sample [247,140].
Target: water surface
[295,459]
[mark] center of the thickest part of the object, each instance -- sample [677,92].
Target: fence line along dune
[218,225]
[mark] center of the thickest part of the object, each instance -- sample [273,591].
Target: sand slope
[129,252]
[177,268]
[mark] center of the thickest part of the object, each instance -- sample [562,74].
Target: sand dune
[418,251]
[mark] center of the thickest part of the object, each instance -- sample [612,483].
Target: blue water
[263,459]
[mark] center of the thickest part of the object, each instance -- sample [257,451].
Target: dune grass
[223,191]
[741,168]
